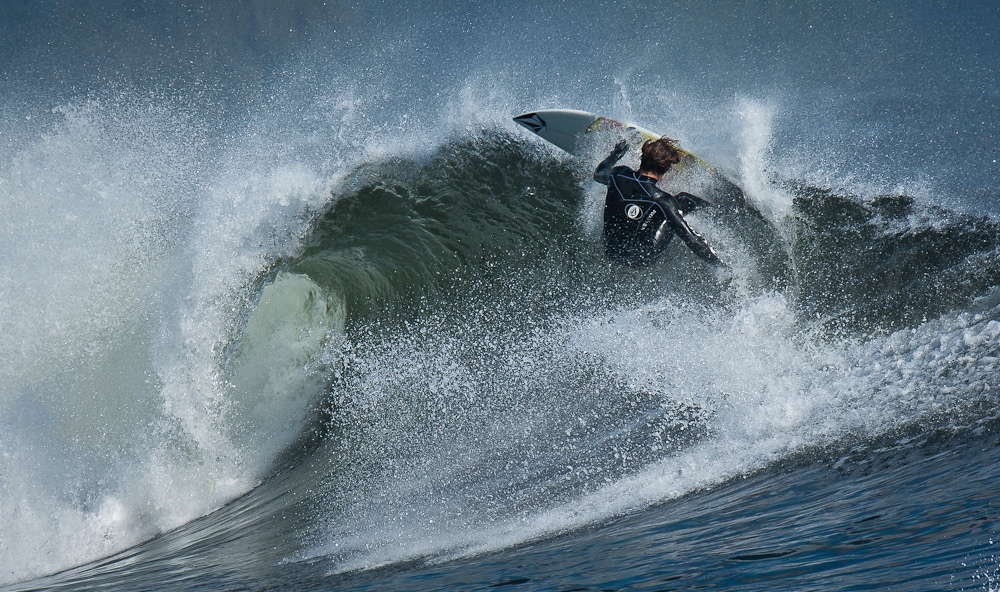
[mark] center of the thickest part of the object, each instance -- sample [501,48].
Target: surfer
[639,218]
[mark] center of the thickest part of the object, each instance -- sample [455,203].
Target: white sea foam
[129,259]
[766,386]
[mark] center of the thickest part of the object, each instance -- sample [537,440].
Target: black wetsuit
[640,219]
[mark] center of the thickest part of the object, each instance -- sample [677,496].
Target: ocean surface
[288,301]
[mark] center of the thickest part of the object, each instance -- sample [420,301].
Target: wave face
[287,300]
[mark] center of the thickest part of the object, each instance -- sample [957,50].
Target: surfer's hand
[620,149]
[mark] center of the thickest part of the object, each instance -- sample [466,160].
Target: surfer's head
[658,156]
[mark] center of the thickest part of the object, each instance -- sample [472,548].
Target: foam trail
[768,390]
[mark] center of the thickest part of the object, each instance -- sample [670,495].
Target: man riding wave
[639,218]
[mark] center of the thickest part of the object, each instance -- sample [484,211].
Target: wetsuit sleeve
[692,239]
[688,203]
[602,174]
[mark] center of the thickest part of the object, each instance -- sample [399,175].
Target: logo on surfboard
[532,121]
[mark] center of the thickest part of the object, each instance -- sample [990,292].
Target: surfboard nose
[532,121]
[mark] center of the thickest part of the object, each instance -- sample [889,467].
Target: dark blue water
[287,301]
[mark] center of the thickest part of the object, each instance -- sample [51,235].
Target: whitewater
[288,301]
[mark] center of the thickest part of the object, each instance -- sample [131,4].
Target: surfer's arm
[688,203]
[602,174]
[692,239]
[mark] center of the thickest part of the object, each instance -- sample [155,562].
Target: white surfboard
[568,129]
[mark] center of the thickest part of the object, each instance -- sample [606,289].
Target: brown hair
[659,155]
